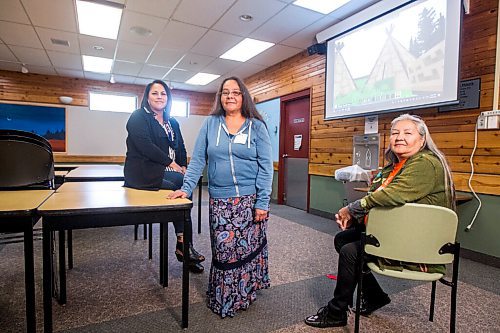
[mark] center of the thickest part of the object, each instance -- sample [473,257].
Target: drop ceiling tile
[221,66]
[10,66]
[247,69]
[132,19]
[142,81]
[274,55]
[153,72]
[96,76]
[194,62]
[65,60]
[260,10]
[126,68]
[90,45]
[179,75]
[19,34]
[201,12]
[180,36]
[124,79]
[165,57]
[46,36]
[215,43]
[132,52]
[31,56]
[13,11]
[43,70]
[53,14]
[70,72]
[160,8]
[6,54]
[285,23]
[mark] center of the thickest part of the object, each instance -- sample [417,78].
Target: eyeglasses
[234,93]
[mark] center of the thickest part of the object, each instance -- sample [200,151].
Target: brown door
[293,177]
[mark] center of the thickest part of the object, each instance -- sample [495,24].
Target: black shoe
[327,318]
[194,256]
[367,307]
[196,267]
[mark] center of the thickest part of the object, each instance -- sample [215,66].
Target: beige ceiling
[187,36]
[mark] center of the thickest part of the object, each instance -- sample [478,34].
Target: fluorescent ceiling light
[321,6]
[99,19]
[246,49]
[202,79]
[97,64]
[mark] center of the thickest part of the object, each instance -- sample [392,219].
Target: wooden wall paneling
[453,132]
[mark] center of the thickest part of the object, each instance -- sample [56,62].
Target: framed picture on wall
[46,121]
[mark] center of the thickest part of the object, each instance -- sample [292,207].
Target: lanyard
[397,167]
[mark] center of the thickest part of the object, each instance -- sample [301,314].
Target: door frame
[281,162]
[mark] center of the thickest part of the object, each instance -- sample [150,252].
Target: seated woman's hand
[343,218]
[177,194]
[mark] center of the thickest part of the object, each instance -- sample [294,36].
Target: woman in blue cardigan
[156,155]
[235,143]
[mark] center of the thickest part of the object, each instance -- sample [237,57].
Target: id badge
[241,138]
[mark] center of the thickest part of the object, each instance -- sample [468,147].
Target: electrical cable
[468,228]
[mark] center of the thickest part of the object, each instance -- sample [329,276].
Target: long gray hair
[430,145]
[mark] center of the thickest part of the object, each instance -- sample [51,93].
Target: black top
[147,150]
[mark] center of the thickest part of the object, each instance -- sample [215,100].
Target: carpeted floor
[113,287]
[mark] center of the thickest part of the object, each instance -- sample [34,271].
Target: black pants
[173,181]
[347,243]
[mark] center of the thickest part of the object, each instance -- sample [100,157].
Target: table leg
[29,279]
[136,228]
[145,230]
[200,191]
[62,267]
[47,280]
[164,254]
[185,271]
[70,249]
[150,242]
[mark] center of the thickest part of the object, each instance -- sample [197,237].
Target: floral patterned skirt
[240,257]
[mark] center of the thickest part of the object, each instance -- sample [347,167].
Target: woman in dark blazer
[156,155]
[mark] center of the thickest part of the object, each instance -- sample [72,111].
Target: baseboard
[480,257]
[321,213]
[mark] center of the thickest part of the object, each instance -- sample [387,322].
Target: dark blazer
[147,150]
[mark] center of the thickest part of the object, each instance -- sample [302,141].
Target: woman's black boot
[194,256]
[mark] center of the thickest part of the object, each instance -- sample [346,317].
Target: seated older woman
[417,172]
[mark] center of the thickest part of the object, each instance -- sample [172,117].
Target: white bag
[353,173]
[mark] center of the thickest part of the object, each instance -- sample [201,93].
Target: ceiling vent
[61,42]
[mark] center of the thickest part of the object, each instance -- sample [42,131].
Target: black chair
[26,161]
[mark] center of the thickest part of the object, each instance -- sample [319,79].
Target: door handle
[284,155]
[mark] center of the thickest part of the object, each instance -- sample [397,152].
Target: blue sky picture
[42,120]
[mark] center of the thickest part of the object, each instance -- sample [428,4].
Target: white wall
[104,133]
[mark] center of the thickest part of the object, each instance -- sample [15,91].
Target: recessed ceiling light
[246,49]
[321,6]
[246,17]
[99,18]
[97,64]
[202,79]
[141,31]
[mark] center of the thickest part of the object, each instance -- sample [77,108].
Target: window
[99,101]
[180,108]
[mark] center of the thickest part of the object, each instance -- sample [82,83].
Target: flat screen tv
[393,56]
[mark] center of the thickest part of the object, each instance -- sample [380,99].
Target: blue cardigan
[237,165]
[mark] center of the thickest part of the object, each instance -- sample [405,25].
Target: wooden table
[18,214]
[95,173]
[459,197]
[97,208]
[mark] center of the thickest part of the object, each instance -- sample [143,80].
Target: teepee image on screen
[394,63]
